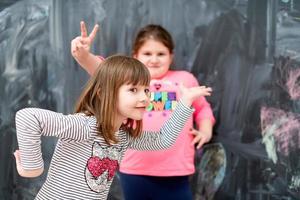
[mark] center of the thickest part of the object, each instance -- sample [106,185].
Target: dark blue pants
[137,187]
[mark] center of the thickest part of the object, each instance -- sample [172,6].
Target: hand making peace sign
[80,46]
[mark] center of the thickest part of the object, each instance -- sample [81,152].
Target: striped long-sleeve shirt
[83,164]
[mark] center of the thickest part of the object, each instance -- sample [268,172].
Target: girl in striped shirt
[92,142]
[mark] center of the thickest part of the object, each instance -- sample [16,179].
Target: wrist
[186,102]
[30,173]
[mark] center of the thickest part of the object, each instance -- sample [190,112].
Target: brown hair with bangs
[99,97]
[155,32]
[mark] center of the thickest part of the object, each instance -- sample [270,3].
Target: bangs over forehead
[136,74]
[131,71]
[118,70]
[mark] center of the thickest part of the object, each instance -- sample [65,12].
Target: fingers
[200,143]
[207,91]
[199,139]
[198,89]
[94,32]
[197,92]
[81,45]
[17,157]
[188,95]
[83,29]
[78,44]
[17,153]
[84,32]
[203,91]
[193,131]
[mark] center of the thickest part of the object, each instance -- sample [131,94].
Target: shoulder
[184,76]
[180,73]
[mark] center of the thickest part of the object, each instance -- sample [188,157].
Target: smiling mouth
[141,108]
[154,66]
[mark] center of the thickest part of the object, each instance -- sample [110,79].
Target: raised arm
[173,126]
[80,49]
[32,123]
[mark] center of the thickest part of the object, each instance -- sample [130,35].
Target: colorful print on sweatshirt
[160,101]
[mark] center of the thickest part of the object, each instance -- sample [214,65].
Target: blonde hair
[99,97]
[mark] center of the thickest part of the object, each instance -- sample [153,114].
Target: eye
[133,89]
[161,54]
[147,91]
[147,53]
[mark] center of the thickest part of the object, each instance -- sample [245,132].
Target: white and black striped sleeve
[168,133]
[32,123]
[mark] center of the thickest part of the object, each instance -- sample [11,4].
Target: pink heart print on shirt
[101,166]
[97,166]
[157,86]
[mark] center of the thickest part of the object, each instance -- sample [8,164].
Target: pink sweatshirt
[179,159]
